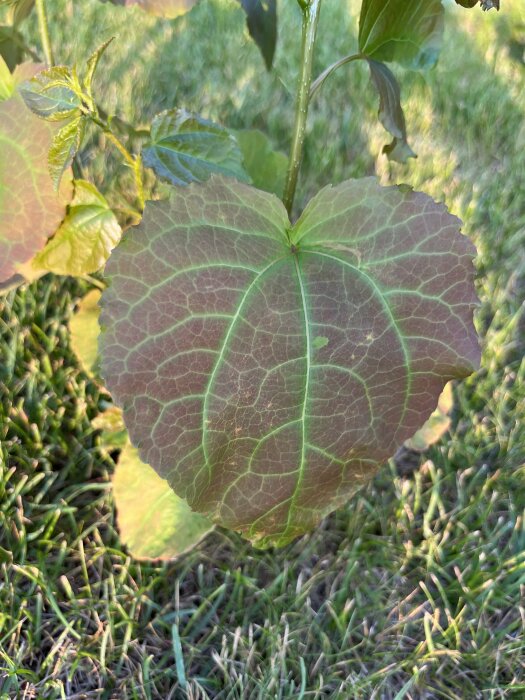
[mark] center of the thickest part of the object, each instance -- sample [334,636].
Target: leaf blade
[391,113]
[261,18]
[30,209]
[285,365]
[406,31]
[86,237]
[153,521]
[186,148]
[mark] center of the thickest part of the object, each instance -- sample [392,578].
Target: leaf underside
[409,32]
[391,113]
[261,17]
[266,370]
[30,209]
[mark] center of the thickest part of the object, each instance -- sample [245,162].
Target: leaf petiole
[319,81]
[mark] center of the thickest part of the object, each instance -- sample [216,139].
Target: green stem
[326,73]
[135,162]
[43,28]
[311,12]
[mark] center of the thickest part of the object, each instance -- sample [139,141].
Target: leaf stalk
[311,13]
[135,162]
[43,28]
[319,81]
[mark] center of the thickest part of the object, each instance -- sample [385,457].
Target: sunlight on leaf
[85,331]
[436,426]
[153,521]
[86,237]
[30,209]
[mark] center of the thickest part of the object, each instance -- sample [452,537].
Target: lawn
[416,588]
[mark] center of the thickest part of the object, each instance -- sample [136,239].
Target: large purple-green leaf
[30,209]
[265,369]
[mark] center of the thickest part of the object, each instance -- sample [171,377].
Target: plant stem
[135,162]
[311,12]
[43,28]
[324,75]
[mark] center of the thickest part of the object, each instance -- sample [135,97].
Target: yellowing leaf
[113,433]
[85,330]
[153,521]
[7,83]
[85,238]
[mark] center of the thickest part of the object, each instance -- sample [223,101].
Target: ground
[415,589]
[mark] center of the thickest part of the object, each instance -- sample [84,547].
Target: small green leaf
[92,64]
[85,330]
[64,148]
[409,32]
[7,83]
[186,148]
[391,113]
[86,237]
[161,8]
[153,521]
[262,25]
[266,167]
[51,94]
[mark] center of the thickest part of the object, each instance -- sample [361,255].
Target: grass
[415,589]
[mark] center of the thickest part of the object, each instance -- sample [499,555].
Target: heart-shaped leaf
[30,209]
[266,370]
[409,32]
[86,237]
[186,148]
[161,8]
[153,521]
